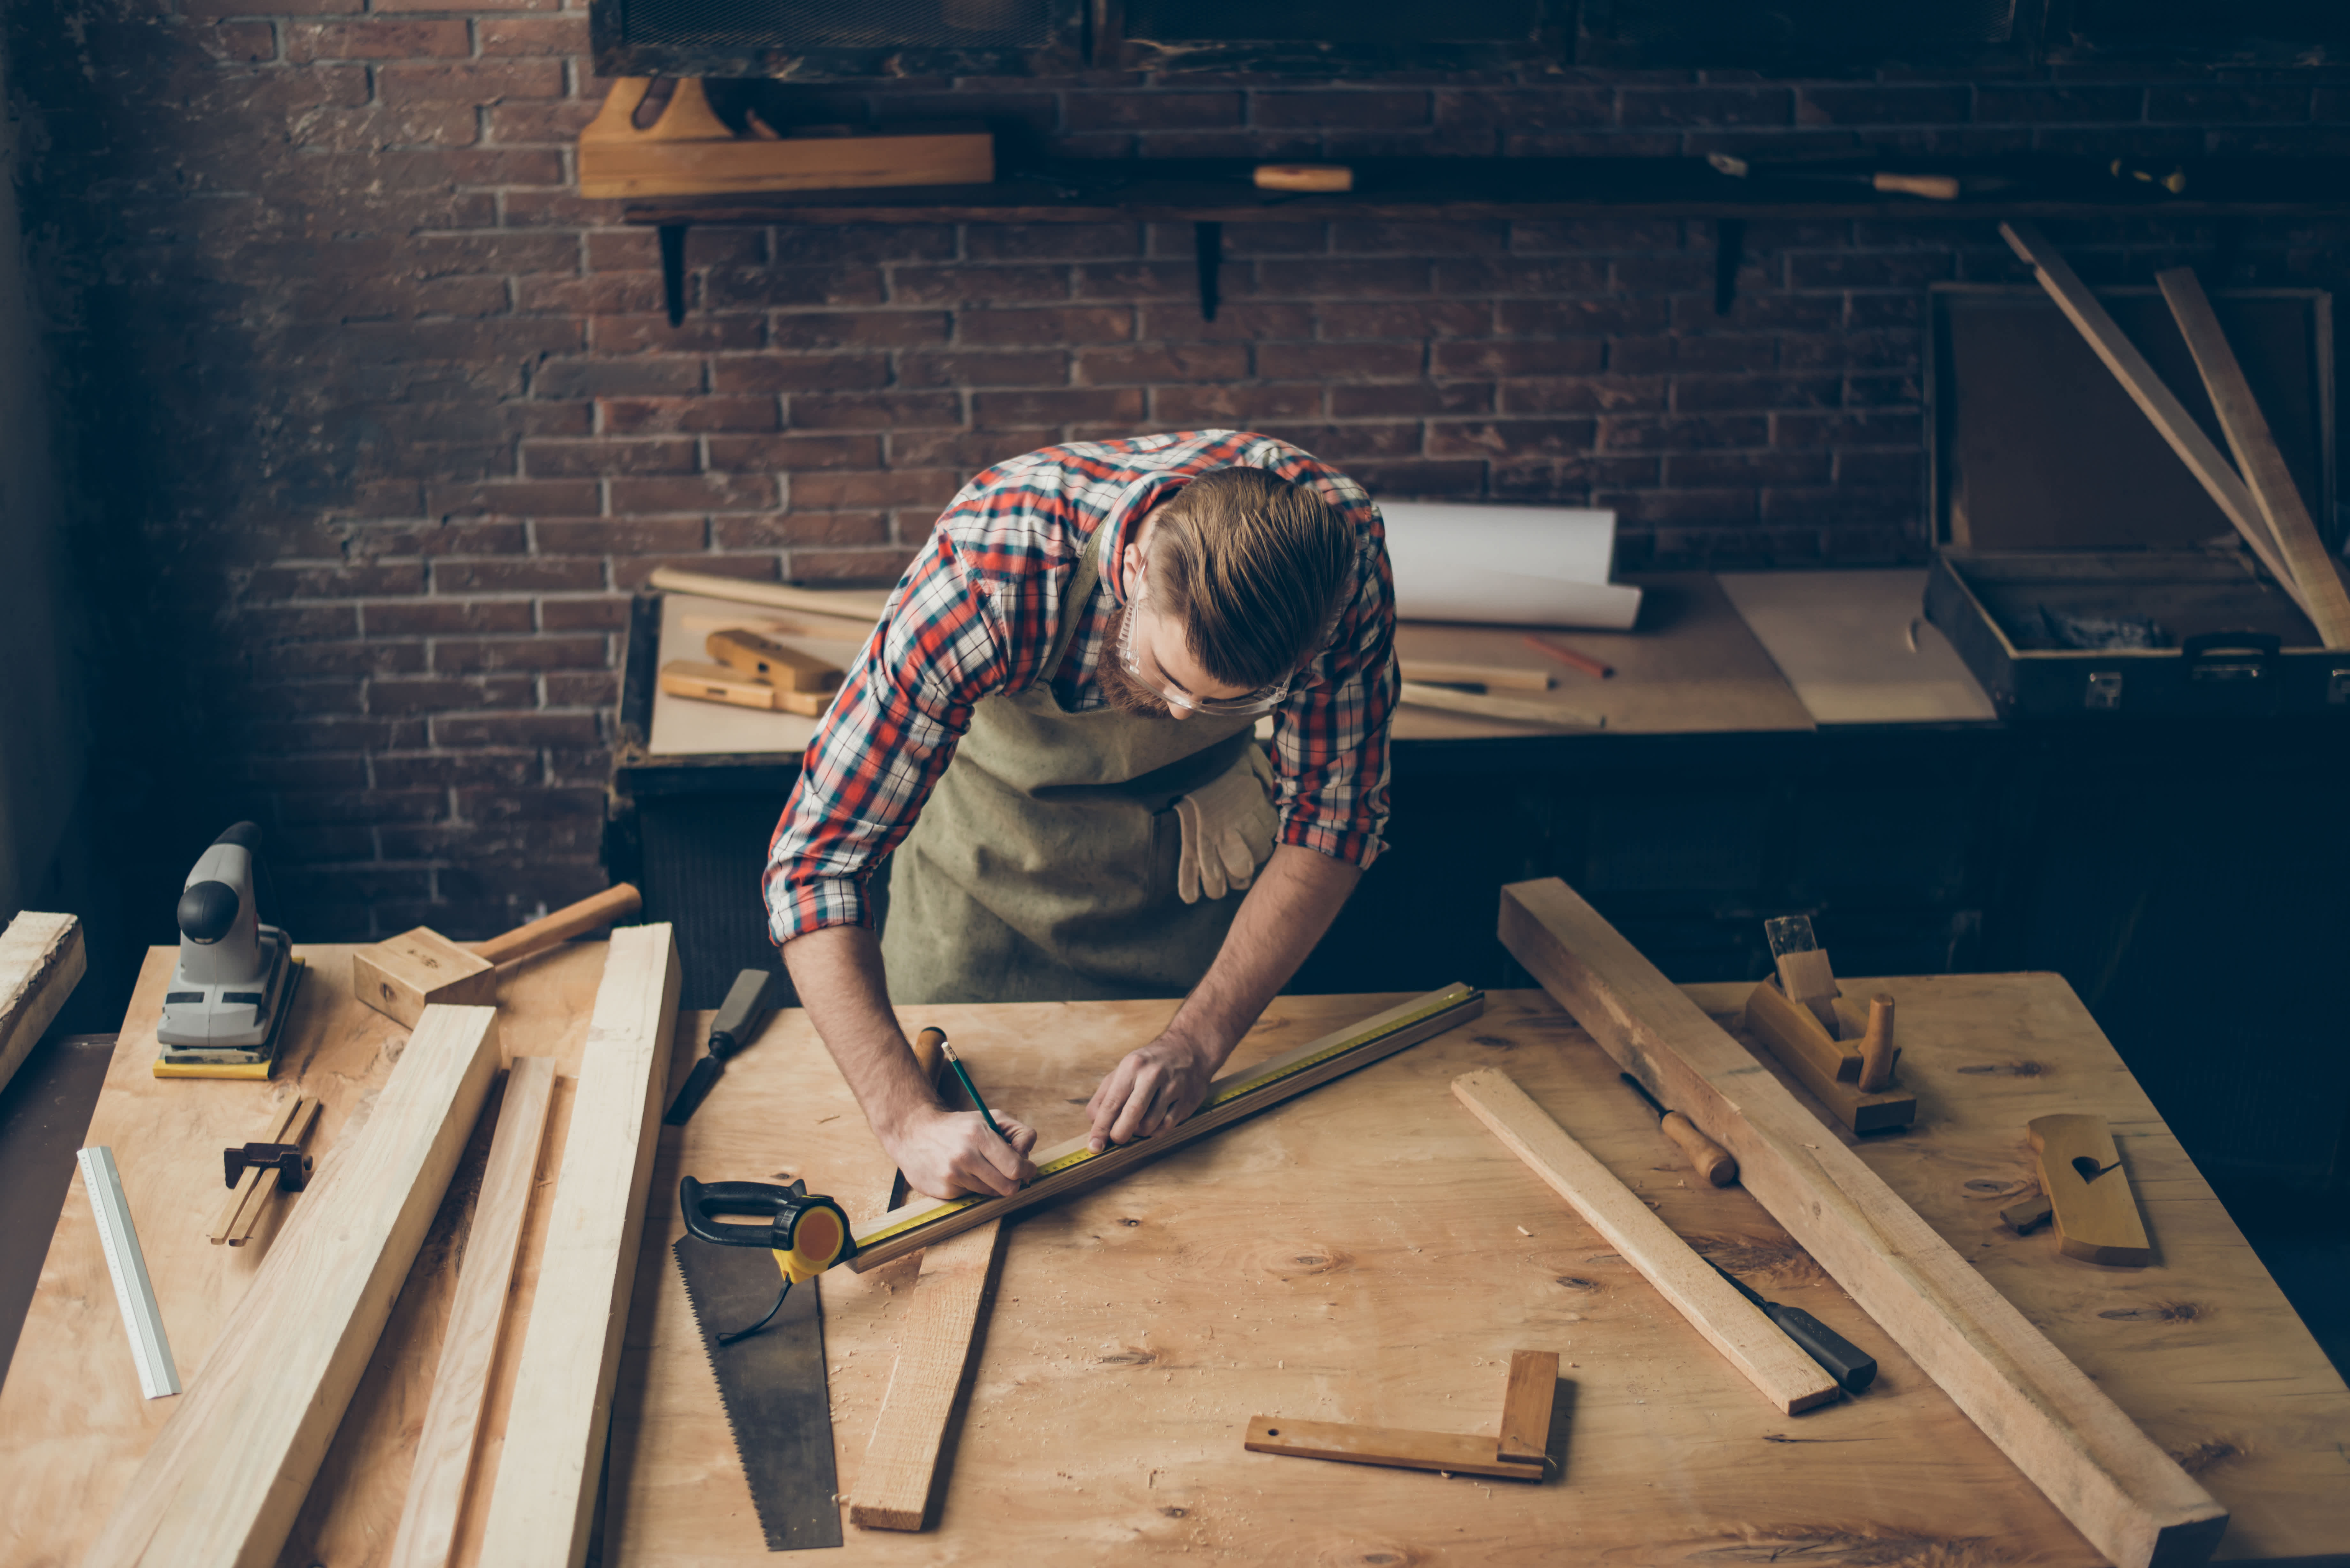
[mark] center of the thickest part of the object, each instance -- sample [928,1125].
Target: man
[1051,728]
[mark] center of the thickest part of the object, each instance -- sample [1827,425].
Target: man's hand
[947,1154]
[1149,1092]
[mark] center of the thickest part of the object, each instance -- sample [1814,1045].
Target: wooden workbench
[1367,1253]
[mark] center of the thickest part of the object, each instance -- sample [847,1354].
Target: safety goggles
[1154,680]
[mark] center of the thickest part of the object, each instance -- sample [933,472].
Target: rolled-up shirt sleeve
[879,751]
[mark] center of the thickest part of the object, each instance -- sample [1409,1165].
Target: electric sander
[225,1012]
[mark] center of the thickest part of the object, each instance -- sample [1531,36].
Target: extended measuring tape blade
[1442,1002]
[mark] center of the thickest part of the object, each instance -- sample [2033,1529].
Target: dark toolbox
[2062,518]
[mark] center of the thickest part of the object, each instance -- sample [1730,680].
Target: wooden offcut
[41,961]
[1526,1405]
[938,1350]
[2096,1215]
[1781,1373]
[2257,454]
[2154,399]
[2129,1499]
[690,151]
[763,659]
[402,975]
[1830,1069]
[545,1495]
[918,1225]
[221,1484]
[461,1379]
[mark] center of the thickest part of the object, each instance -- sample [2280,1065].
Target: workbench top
[1366,1254]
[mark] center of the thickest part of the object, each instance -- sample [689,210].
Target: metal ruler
[157,1374]
[1443,1001]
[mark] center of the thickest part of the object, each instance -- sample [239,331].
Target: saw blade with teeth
[773,1385]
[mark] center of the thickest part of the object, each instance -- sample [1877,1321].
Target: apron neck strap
[1080,592]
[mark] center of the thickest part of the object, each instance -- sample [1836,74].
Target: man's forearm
[1295,897]
[838,975]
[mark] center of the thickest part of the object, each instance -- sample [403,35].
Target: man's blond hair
[1254,566]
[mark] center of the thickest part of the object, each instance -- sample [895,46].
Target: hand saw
[772,1383]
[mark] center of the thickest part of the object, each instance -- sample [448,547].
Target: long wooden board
[42,959]
[2257,454]
[221,1485]
[1789,1379]
[1068,1166]
[2154,397]
[461,1378]
[545,1496]
[2130,1500]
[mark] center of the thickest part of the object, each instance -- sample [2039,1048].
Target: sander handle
[602,909]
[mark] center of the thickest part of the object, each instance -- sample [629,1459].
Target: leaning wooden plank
[41,960]
[1734,1326]
[544,1497]
[2154,399]
[1066,1166]
[2265,473]
[461,1381]
[221,1484]
[936,1348]
[2122,1493]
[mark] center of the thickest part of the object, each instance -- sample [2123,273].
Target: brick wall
[376,424]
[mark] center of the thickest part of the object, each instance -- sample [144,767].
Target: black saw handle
[701,1199]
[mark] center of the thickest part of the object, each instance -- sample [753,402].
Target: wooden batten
[545,1495]
[221,1485]
[1781,1373]
[2129,1499]
[937,1352]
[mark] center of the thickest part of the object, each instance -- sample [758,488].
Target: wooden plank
[2154,399]
[1229,1098]
[2096,1215]
[852,603]
[1517,709]
[937,1349]
[258,1208]
[541,1508]
[240,1195]
[1444,1451]
[1526,1406]
[461,1378]
[221,1485]
[42,959]
[2130,1500]
[1781,1373]
[2264,465]
[1468,672]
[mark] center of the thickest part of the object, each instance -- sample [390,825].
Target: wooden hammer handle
[599,909]
[926,1052]
[1712,1161]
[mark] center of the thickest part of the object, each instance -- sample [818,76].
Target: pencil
[1570,658]
[970,1088]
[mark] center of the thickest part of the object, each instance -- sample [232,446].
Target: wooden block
[541,1508]
[938,1346]
[461,1379]
[1229,1098]
[1518,710]
[1789,1379]
[706,683]
[221,1484]
[1526,1407]
[1384,1446]
[1492,677]
[2131,1499]
[2264,465]
[255,1209]
[2155,400]
[1829,1069]
[2097,1218]
[772,662]
[402,975]
[41,961]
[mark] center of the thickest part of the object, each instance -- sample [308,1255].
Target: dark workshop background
[347,430]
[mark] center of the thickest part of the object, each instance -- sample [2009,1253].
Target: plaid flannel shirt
[976,613]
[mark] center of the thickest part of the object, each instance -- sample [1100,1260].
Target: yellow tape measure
[1070,1161]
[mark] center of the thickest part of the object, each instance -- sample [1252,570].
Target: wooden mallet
[402,975]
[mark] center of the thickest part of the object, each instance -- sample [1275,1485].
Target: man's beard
[1119,689]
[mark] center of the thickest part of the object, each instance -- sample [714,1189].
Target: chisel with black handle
[738,1015]
[1837,1356]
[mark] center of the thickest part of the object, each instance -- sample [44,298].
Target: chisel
[1710,1159]
[1837,1356]
[738,1015]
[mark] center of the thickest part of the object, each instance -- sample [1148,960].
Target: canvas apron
[1043,866]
